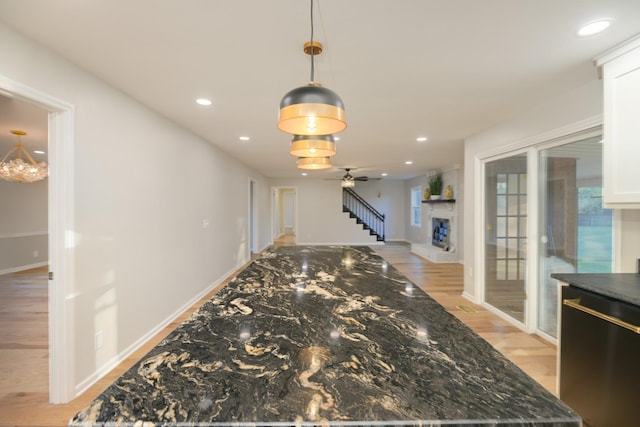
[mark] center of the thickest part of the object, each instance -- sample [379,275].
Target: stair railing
[363,212]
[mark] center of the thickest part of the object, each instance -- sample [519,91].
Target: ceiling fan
[349,181]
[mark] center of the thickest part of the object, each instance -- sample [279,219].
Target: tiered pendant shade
[313,146]
[311,110]
[314,163]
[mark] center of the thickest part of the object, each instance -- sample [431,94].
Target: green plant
[435,183]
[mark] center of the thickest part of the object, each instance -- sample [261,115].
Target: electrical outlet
[35,253]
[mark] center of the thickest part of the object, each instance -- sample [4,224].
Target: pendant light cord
[312,48]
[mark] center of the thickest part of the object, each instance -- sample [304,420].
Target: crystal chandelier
[17,169]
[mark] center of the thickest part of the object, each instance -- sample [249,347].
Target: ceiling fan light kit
[312,111]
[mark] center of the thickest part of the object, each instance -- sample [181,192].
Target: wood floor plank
[23,336]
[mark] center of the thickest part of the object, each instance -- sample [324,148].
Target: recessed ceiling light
[594,27]
[421,138]
[203,101]
[336,138]
[38,152]
[408,162]
[304,174]
[385,174]
[244,138]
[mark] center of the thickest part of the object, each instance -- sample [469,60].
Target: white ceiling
[404,68]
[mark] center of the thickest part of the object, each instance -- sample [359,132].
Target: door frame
[277,201]
[61,234]
[531,146]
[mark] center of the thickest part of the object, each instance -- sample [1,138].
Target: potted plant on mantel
[435,185]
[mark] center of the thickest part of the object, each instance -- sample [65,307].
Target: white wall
[630,241]
[23,225]
[141,250]
[568,110]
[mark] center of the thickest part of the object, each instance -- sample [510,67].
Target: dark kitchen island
[324,335]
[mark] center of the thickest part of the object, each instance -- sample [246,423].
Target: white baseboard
[23,267]
[375,243]
[434,254]
[120,357]
[470,297]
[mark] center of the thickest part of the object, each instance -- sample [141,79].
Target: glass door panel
[506,235]
[576,233]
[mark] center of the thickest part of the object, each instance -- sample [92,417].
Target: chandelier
[17,169]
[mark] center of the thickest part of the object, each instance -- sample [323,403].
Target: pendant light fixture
[16,169]
[313,146]
[314,163]
[311,109]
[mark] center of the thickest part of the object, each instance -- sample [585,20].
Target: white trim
[376,243]
[23,267]
[470,297]
[533,236]
[252,219]
[618,50]
[545,137]
[504,316]
[27,234]
[85,384]
[61,225]
[478,225]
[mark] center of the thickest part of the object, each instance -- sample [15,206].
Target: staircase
[364,213]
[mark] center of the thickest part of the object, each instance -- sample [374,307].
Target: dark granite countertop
[324,335]
[621,286]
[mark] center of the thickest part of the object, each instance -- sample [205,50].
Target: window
[416,205]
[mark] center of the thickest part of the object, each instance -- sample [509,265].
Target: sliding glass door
[561,227]
[506,235]
[576,233]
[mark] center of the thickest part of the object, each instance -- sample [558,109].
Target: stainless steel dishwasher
[600,358]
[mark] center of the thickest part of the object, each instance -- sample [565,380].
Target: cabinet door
[622,131]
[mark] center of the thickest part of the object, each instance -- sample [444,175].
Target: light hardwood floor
[23,336]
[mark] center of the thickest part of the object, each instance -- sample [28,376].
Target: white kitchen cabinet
[621,156]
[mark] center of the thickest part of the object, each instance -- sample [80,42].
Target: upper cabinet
[621,156]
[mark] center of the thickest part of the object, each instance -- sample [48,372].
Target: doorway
[284,208]
[24,259]
[506,235]
[542,214]
[576,232]
[60,132]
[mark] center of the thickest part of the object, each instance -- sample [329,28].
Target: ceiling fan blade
[361,178]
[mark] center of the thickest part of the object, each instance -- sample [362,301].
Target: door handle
[575,303]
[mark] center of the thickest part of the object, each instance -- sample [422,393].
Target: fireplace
[441,231]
